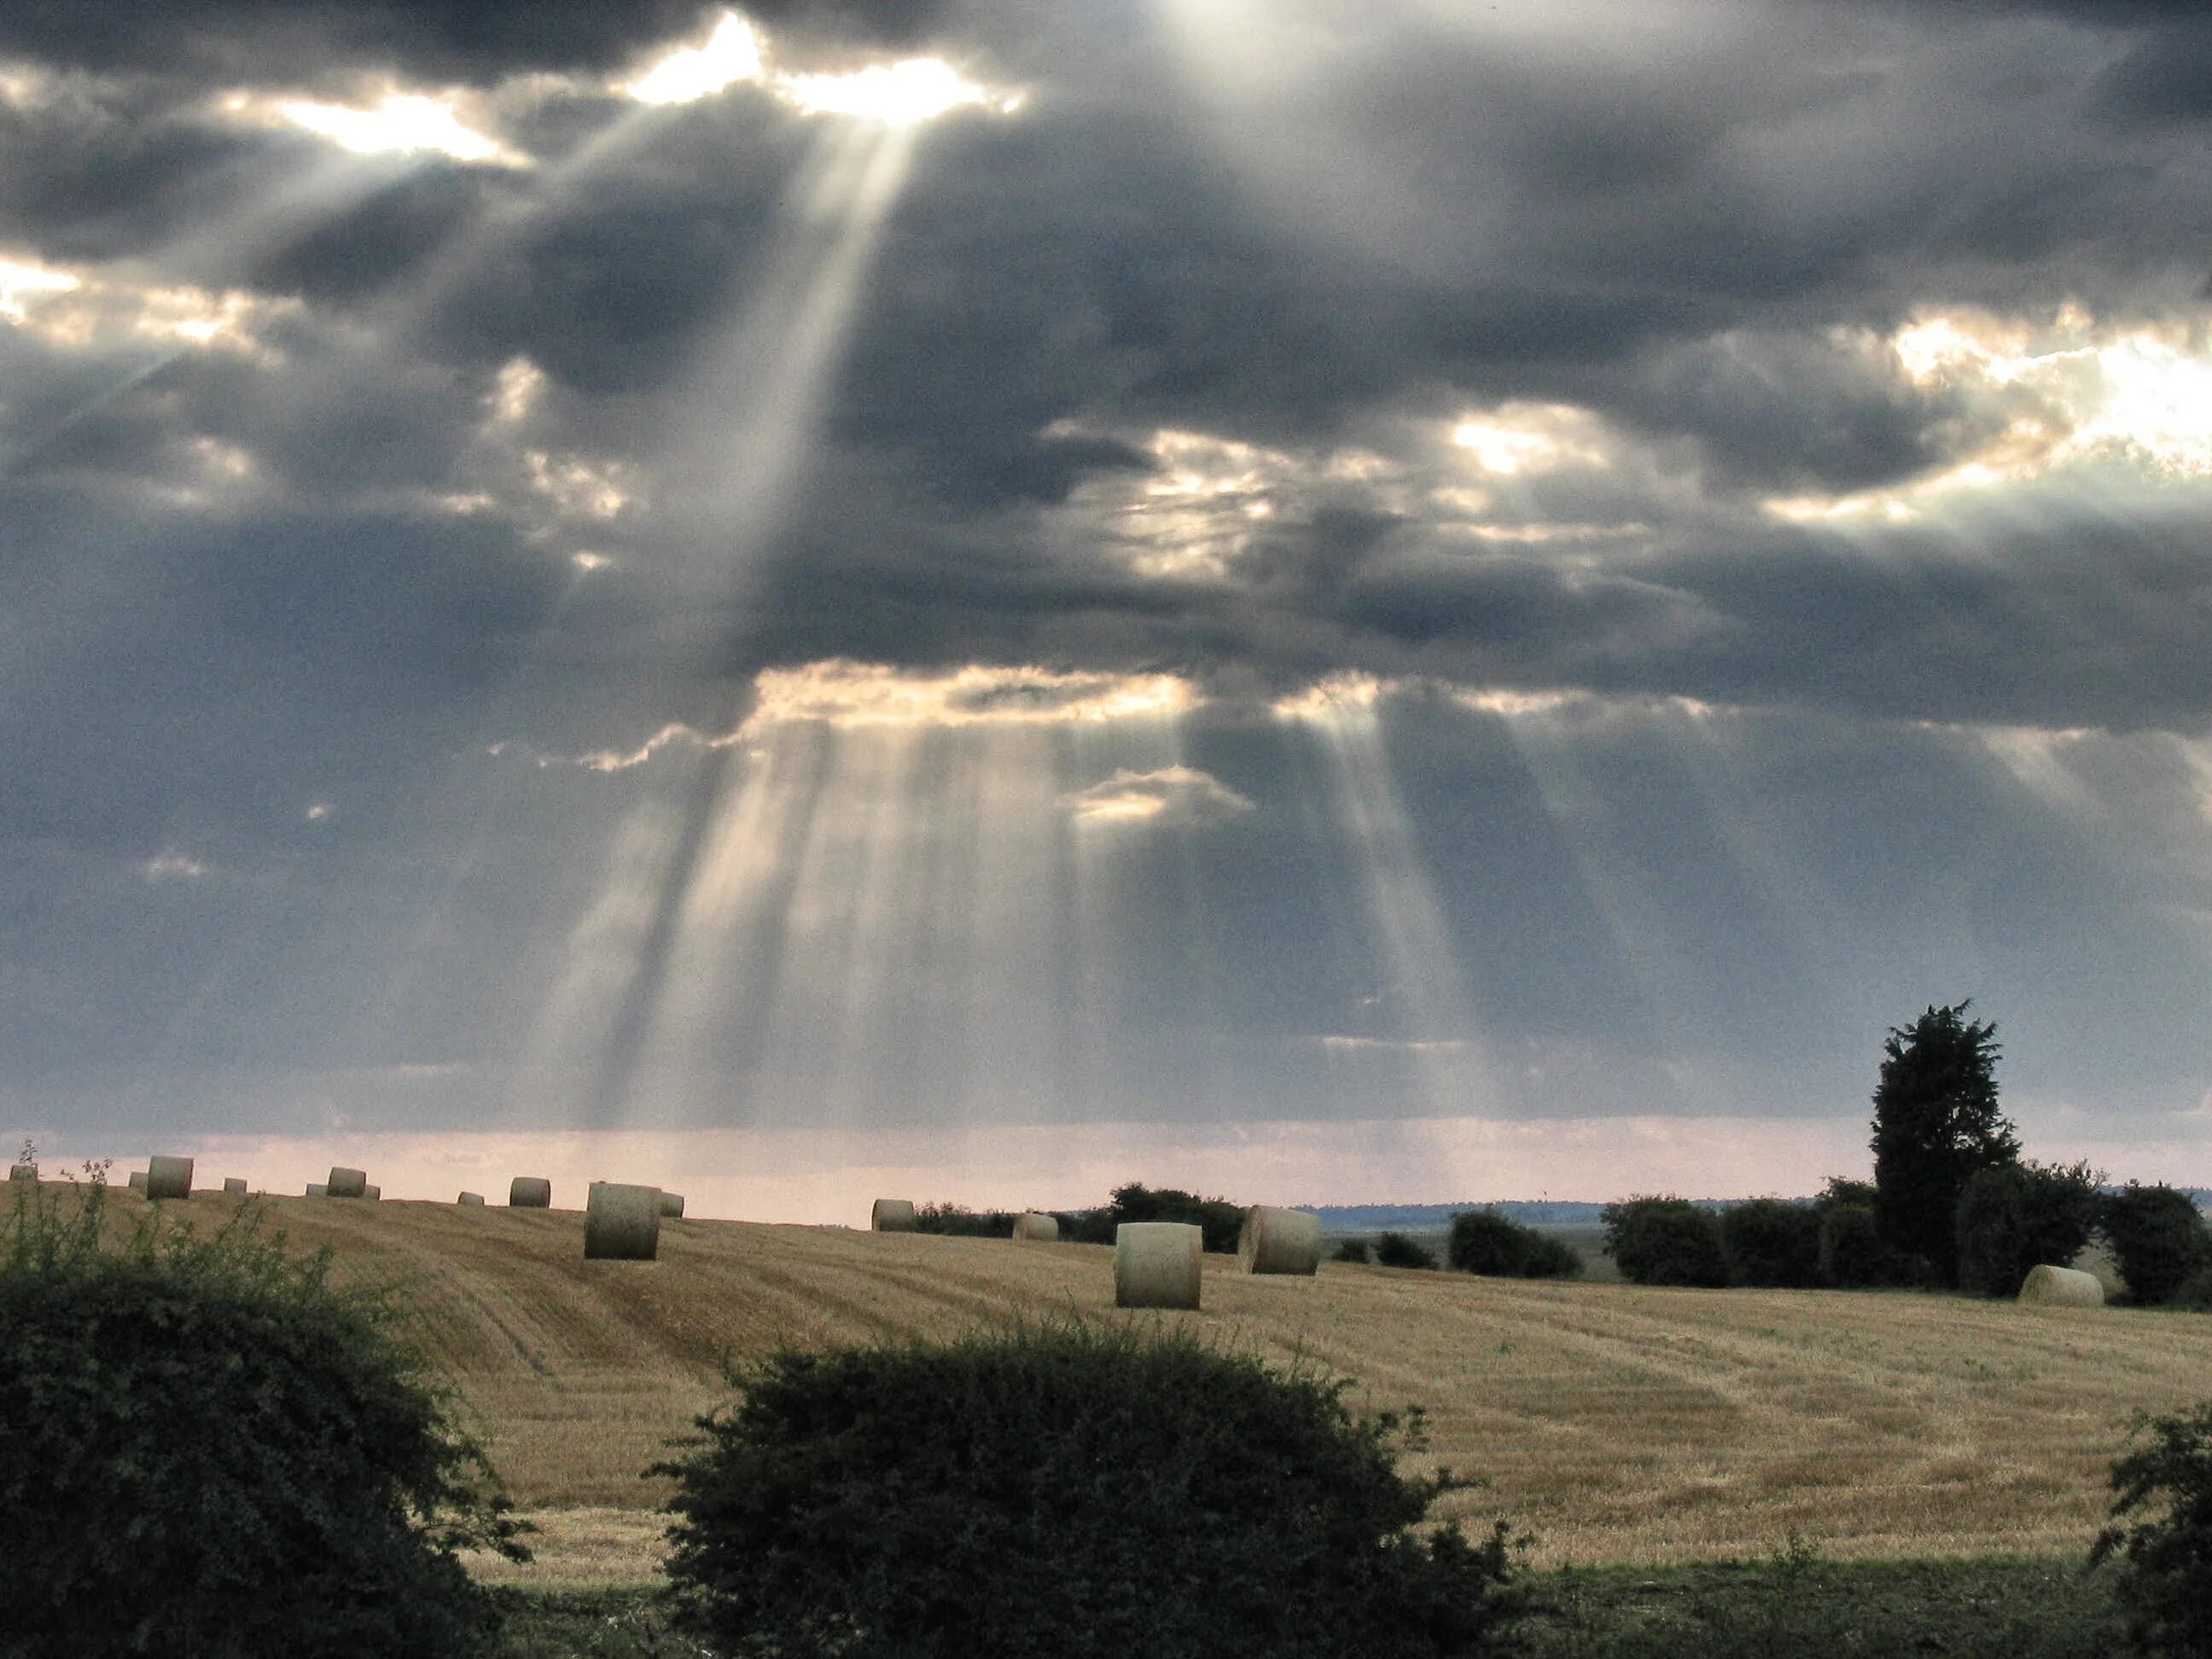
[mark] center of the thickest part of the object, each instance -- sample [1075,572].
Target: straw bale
[2061,1288]
[892,1215]
[234,1183]
[168,1177]
[1157,1264]
[318,1189]
[530,1193]
[470,1198]
[346,1183]
[23,1172]
[138,1181]
[1280,1241]
[622,1223]
[1037,1225]
[671,1207]
[372,1191]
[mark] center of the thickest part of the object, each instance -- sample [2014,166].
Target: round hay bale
[2061,1288]
[470,1198]
[530,1193]
[622,1223]
[318,1189]
[1278,1241]
[1036,1225]
[671,1207]
[372,1192]
[168,1177]
[891,1215]
[1157,1264]
[138,1181]
[234,1183]
[23,1172]
[346,1183]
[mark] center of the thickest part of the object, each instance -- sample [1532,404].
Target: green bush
[2014,1216]
[2158,1239]
[206,1449]
[962,1223]
[1069,1490]
[1402,1250]
[1485,1241]
[2165,1553]
[1665,1241]
[2194,1293]
[1217,1218]
[1772,1243]
[1851,1253]
[1355,1250]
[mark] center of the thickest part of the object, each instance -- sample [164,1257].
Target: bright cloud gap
[735,52]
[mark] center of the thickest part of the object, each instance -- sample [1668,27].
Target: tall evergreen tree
[1935,1123]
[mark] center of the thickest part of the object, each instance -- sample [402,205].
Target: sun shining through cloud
[2075,397]
[903,93]
[395,123]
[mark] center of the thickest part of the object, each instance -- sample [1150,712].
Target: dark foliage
[1403,1251]
[2158,1239]
[1841,1189]
[1069,1490]
[1851,1253]
[1219,1219]
[1665,1241]
[1770,1242]
[206,1449]
[2165,1553]
[1355,1250]
[2194,1293]
[1935,1122]
[2016,1215]
[1485,1241]
[960,1223]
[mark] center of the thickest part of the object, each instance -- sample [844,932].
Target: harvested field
[1617,1424]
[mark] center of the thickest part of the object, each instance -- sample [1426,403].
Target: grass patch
[1794,1603]
[1788,1605]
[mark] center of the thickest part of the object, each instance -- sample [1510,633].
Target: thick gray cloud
[1783,415]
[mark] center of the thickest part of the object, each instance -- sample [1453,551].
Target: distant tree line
[1952,1204]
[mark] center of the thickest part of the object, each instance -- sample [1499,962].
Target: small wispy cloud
[169,864]
[1179,797]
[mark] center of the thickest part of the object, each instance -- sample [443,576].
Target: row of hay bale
[1157,1264]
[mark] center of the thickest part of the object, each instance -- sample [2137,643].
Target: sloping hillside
[1614,1423]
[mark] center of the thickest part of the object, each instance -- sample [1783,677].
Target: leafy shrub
[2165,1557]
[1485,1241]
[1402,1250]
[1355,1250]
[1217,1218]
[2158,1239]
[1064,1490]
[2014,1216]
[1772,1243]
[963,1222]
[209,1449]
[2194,1293]
[1851,1253]
[1665,1241]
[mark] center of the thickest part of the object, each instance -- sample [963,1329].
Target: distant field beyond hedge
[1617,1424]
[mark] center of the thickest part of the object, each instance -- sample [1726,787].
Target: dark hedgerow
[1665,1241]
[1772,1243]
[1486,1241]
[206,1449]
[1402,1250]
[2158,1239]
[1084,1493]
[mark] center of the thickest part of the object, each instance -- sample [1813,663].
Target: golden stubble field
[1615,1423]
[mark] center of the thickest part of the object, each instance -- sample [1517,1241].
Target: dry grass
[1615,1423]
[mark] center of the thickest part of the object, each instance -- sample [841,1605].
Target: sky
[1417,602]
